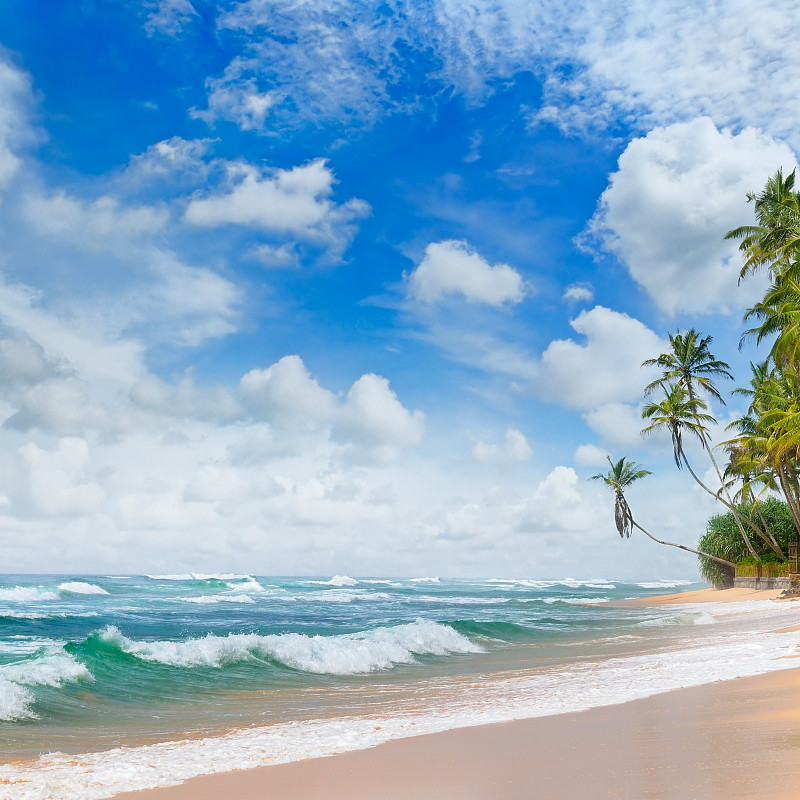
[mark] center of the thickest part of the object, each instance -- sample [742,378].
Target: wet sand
[731,740]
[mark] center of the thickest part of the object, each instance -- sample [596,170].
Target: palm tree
[773,241]
[679,414]
[623,474]
[691,363]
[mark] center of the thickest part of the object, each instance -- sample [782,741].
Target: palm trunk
[775,546]
[683,547]
[707,446]
[789,494]
[737,516]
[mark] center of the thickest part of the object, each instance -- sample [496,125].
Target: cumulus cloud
[288,201]
[676,193]
[94,224]
[606,368]
[619,424]
[590,455]
[287,392]
[16,101]
[376,421]
[513,449]
[579,293]
[453,268]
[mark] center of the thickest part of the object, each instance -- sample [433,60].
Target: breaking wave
[343,654]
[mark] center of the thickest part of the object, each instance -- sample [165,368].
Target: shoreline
[729,740]
[677,744]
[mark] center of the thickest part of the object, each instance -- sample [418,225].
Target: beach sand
[731,740]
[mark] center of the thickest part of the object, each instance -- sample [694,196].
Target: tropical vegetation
[760,460]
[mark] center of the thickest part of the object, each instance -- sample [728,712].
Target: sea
[116,682]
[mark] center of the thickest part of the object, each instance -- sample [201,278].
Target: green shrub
[723,540]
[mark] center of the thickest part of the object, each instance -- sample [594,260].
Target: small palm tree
[619,478]
[623,474]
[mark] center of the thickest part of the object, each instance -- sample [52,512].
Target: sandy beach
[731,739]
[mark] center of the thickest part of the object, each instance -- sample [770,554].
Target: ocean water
[112,683]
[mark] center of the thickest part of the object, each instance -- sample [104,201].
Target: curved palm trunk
[707,446]
[683,547]
[775,546]
[737,516]
[790,493]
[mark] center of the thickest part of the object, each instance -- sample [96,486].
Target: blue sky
[311,288]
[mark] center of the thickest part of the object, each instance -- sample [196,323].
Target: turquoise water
[92,662]
[116,683]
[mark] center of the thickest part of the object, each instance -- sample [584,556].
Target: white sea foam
[199,576]
[17,679]
[27,594]
[246,583]
[345,654]
[424,580]
[337,580]
[463,703]
[210,599]
[662,584]
[80,587]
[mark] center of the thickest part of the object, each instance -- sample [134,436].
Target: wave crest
[345,654]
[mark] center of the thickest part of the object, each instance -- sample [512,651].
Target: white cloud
[56,479]
[294,201]
[606,369]
[620,424]
[513,449]
[16,100]
[648,64]
[375,419]
[170,17]
[579,293]
[590,455]
[287,392]
[236,98]
[95,224]
[677,191]
[453,268]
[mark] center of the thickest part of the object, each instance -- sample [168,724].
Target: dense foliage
[722,539]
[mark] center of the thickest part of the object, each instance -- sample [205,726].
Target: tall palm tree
[690,363]
[623,474]
[773,241]
[679,414]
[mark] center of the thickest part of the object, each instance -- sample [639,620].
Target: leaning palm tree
[623,474]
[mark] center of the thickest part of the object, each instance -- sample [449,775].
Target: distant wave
[27,594]
[80,587]
[662,584]
[338,580]
[424,580]
[344,654]
[199,576]
[208,599]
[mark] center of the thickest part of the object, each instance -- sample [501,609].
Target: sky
[324,287]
